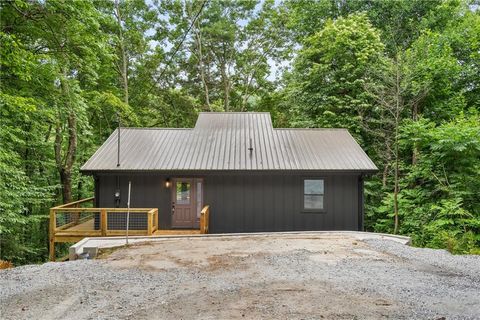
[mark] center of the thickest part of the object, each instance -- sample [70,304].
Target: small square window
[313,194]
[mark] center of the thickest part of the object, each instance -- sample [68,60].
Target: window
[313,194]
[183,192]
[199,198]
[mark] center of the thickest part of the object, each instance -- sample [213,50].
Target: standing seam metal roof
[220,141]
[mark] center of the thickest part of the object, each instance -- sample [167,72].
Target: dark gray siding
[248,202]
[148,191]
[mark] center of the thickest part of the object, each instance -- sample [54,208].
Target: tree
[327,85]
[390,92]
[440,205]
[226,60]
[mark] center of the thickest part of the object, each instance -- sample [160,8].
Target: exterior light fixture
[117,198]
[167,183]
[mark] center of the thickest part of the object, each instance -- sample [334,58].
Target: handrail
[204,219]
[66,205]
[98,209]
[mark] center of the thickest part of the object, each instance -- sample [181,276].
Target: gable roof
[221,141]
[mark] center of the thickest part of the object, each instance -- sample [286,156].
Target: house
[252,176]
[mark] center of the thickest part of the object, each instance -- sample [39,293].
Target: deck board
[86,226]
[176,231]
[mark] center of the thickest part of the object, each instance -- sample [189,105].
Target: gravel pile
[322,277]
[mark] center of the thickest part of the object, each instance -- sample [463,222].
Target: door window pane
[183,192]
[313,194]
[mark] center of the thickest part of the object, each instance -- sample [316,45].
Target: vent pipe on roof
[118,140]
[250,148]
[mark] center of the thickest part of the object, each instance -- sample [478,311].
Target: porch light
[167,183]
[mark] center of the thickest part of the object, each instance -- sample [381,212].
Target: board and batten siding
[246,202]
[256,203]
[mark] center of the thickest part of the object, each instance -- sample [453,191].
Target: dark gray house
[254,177]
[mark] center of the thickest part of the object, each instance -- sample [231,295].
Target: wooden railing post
[149,222]
[103,222]
[207,219]
[51,234]
[204,219]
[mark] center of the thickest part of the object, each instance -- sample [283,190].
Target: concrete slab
[95,244]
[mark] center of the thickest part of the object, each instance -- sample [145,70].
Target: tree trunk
[79,190]
[246,95]
[123,55]
[415,148]
[225,80]
[66,180]
[65,163]
[385,175]
[397,115]
[201,63]
[226,89]
[396,189]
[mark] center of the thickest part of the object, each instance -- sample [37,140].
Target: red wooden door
[183,203]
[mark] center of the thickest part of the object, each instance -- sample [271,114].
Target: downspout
[118,142]
[97,191]
[117,189]
[361,203]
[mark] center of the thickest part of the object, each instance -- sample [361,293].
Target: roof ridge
[313,129]
[223,144]
[154,128]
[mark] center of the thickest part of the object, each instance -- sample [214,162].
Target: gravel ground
[335,276]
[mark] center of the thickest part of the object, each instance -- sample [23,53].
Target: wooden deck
[89,226]
[176,232]
[86,226]
[72,222]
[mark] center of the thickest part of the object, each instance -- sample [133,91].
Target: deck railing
[76,220]
[204,219]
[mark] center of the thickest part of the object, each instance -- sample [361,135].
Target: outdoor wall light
[167,183]
[117,198]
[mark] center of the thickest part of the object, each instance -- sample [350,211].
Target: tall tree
[227,59]
[123,60]
[326,87]
[390,92]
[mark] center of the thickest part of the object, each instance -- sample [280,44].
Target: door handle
[173,208]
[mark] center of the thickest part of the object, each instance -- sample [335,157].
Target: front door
[184,213]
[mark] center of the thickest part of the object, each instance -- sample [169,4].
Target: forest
[402,75]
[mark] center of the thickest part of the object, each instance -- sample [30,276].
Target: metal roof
[221,141]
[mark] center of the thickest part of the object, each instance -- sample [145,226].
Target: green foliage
[352,48]
[23,189]
[440,194]
[327,84]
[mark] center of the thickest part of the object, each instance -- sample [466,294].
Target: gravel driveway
[335,276]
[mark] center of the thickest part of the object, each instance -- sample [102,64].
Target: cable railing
[74,221]
[77,220]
